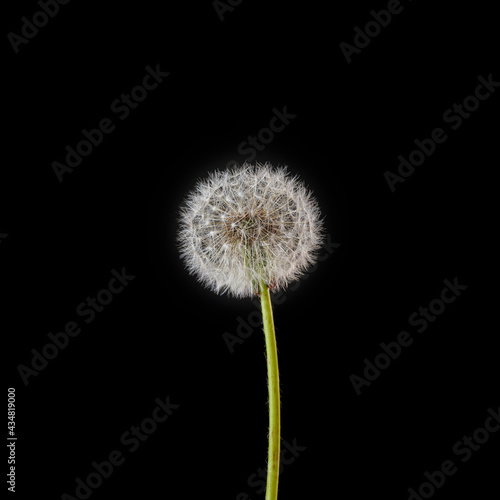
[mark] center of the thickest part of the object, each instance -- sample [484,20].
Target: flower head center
[250,227]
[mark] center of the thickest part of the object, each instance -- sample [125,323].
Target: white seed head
[248,224]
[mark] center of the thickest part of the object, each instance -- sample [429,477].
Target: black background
[163,335]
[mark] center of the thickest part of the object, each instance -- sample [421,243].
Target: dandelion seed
[265,225]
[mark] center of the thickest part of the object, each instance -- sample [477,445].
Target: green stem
[273,459]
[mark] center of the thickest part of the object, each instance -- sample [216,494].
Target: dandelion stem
[273,459]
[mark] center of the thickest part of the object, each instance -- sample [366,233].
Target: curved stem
[273,459]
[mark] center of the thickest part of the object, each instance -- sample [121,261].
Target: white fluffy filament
[248,224]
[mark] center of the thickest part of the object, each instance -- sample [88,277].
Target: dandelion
[244,231]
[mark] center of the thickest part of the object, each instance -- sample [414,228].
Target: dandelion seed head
[246,224]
